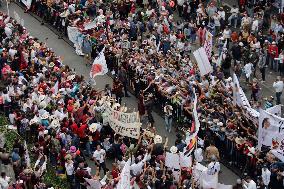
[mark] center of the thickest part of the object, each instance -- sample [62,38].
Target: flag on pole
[99,66]
[56,88]
[124,182]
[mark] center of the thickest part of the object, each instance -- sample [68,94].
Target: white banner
[27,3]
[124,182]
[270,132]
[125,124]
[172,160]
[242,101]
[72,33]
[275,110]
[202,61]
[191,140]
[208,44]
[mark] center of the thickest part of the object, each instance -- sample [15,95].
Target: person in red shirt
[114,171]
[81,131]
[273,53]
[74,127]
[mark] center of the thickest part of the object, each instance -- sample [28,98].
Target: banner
[275,110]
[191,139]
[270,132]
[99,66]
[202,61]
[27,3]
[242,101]
[125,124]
[124,182]
[208,44]
[172,160]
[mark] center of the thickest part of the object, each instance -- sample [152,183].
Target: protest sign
[208,44]
[172,160]
[270,133]
[125,124]
[185,161]
[124,182]
[202,61]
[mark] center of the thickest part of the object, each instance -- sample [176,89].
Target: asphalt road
[74,61]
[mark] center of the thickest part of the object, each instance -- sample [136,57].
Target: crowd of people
[150,53]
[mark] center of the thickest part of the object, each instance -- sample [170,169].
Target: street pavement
[42,32]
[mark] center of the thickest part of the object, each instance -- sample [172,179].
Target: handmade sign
[125,124]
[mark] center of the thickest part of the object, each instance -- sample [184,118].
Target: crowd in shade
[148,46]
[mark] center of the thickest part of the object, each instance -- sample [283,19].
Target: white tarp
[202,61]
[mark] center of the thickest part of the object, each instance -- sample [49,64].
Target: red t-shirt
[82,131]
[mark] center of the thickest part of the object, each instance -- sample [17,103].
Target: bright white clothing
[278,86]
[250,185]
[99,155]
[265,175]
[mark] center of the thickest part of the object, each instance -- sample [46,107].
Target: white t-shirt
[99,155]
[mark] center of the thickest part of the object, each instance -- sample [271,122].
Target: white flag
[99,66]
[56,88]
[124,182]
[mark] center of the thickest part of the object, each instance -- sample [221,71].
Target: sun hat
[174,149]
[158,139]
[73,149]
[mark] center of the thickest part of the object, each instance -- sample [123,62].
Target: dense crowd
[61,116]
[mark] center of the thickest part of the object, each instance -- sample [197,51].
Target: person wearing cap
[278,86]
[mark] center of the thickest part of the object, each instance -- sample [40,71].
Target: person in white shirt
[137,167]
[69,166]
[248,183]
[265,175]
[278,85]
[4,181]
[99,157]
[234,16]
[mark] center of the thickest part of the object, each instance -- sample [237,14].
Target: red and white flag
[99,66]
